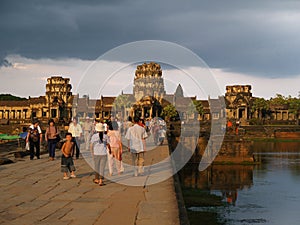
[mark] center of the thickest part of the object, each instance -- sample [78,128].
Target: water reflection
[268,193]
[227,179]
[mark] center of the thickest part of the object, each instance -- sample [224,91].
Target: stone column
[143,111]
[6,114]
[151,110]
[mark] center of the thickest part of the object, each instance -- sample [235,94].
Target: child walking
[67,164]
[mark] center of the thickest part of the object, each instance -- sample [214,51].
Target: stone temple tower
[59,97]
[148,90]
[148,81]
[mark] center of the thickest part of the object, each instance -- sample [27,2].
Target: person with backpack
[34,138]
[52,137]
[99,143]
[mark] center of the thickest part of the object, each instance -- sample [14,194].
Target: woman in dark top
[51,138]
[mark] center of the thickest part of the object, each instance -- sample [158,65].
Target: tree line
[265,107]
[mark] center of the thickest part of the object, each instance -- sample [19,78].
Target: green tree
[294,107]
[121,103]
[261,106]
[279,100]
[169,112]
[195,107]
[9,97]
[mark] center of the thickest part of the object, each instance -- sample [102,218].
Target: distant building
[238,100]
[147,100]
[57,103]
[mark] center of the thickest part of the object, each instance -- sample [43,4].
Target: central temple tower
[148,90]
[148,81]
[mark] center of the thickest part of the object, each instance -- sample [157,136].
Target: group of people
[107,146]
[71,145]
[158,131]
[34,139]
[101,138]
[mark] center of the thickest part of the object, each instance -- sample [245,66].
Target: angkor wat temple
[147,100]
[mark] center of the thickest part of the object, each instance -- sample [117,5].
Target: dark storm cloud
[255,37]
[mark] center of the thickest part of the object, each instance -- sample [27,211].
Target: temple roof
[37,100]
[9,103]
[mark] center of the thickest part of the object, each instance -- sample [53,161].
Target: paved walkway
[33,192]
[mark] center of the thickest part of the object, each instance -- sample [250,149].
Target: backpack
[34,135]
[99,150]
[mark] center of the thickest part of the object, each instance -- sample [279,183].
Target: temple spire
[179,91]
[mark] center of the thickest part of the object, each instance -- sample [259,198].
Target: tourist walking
[136,136]
[34,137]
[76,131]
[51,137]
[154,132]
[161,135]
[115,145]
[128,124]
[99,144]
[67,164]
[99,125]
[87,128]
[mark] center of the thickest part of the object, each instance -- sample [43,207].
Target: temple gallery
[147,100]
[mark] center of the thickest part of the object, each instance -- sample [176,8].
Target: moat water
[268,193]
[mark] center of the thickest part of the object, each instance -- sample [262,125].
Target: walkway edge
[183,217]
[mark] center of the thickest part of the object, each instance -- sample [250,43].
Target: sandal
[96,181]
[101,183]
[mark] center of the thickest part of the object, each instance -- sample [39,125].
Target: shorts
[67,164]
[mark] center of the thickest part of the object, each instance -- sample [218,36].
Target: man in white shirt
[136,136]
[76,131]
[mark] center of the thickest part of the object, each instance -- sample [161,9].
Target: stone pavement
[33,192]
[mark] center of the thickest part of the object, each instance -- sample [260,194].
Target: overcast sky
[253,42]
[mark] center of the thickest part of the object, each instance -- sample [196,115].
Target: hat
[99,127]
[87,117]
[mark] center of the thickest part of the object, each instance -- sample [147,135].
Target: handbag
[27,148]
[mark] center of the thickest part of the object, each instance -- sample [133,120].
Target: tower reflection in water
[226,180]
